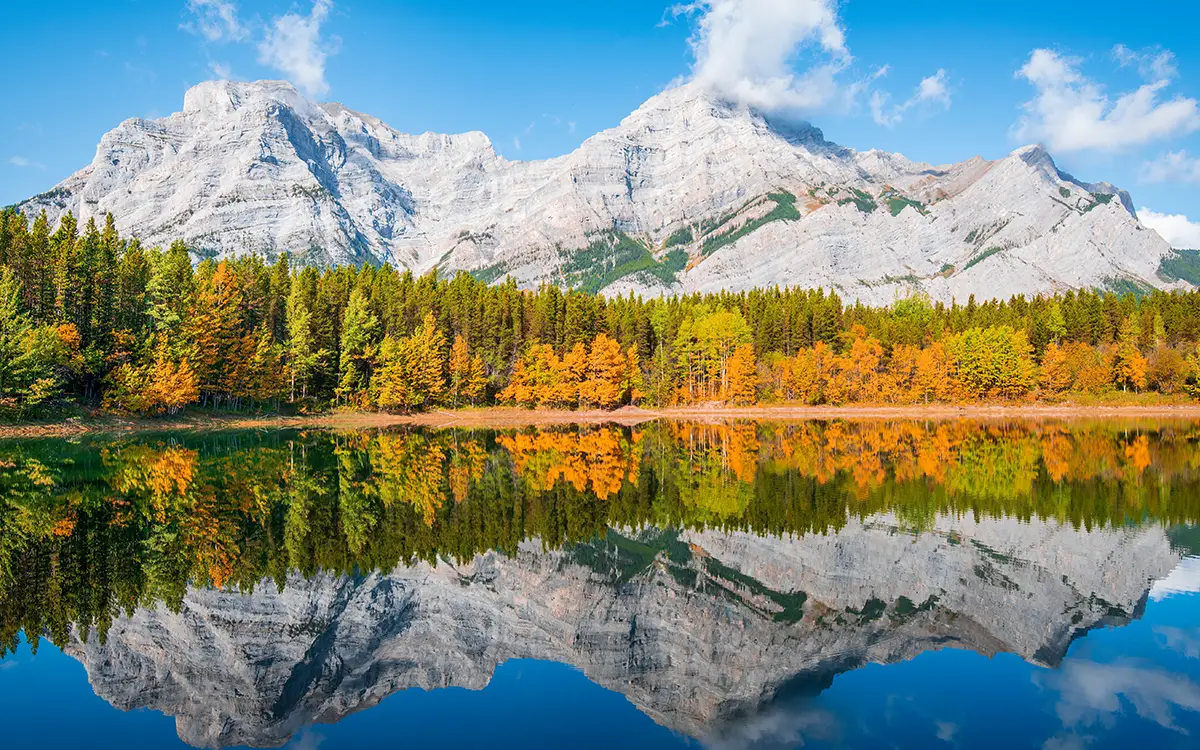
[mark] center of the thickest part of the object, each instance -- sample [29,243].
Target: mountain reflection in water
[727,579]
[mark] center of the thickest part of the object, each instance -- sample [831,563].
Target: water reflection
[726,579]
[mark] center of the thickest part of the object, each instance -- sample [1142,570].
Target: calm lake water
[839,584]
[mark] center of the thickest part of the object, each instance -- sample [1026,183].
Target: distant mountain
[687,193]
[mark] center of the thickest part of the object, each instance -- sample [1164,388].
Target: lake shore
[507,417]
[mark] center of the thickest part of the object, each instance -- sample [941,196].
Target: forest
[90,529]
[93,321]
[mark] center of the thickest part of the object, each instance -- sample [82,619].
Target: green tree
[358,348]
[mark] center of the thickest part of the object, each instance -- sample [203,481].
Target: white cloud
[934,90]
[216,21]
[23,162]
[946,730]
[1153,64]
[1185,235]
[1090,692]
[221,70]
[1186,642]
[294,46]
[1176,166]
[745,51]
[1072,113]
[788,723]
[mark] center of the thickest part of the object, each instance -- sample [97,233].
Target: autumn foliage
[90,318]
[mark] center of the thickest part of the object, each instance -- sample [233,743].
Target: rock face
[701,636]
[687,193]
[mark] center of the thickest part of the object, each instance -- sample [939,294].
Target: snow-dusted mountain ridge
[687,193]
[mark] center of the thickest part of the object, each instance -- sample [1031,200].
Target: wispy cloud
[294,45]
[1090,692]
[1176,166]
[1155,64]
[215,20]
[1186,642]
[22,162]
[933,91]
[221,70]
[1070,112]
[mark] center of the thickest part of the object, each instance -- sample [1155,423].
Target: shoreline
[509,417]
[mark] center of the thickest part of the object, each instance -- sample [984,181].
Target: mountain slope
[687,193]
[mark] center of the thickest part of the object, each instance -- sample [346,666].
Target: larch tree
[742,377]
[605,382]
[1129,366]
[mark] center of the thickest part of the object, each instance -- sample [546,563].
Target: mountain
[688,193]
[709,634]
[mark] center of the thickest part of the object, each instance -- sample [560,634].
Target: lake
[726,585]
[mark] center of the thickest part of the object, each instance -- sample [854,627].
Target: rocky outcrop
[687,193]
[701,631]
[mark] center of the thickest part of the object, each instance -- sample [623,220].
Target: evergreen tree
[358,348]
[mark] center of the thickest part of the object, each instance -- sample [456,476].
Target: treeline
[91,529]
[88,317]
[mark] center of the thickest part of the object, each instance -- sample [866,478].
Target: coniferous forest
[90,319]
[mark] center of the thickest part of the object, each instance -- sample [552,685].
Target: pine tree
[172,284]
[14,327]
[358,348]
[67,283]
[304,358]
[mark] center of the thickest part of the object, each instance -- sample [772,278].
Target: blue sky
[1113,91]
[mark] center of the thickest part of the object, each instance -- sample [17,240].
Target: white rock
[258,167]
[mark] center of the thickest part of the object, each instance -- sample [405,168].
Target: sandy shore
[500,417]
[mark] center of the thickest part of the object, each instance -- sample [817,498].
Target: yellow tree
[460,370]
[995,362]
[468,381]
[535,377]
[267,377]
[856,374]
[391,381]
[1056,371]
[935,376]
[605,383]
[172,385]
[428,363]
[1091,369]
[742,377]
[801,379]
[572,371]
[1129,366]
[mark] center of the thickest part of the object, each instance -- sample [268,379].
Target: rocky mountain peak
[217,99]
[689,192]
